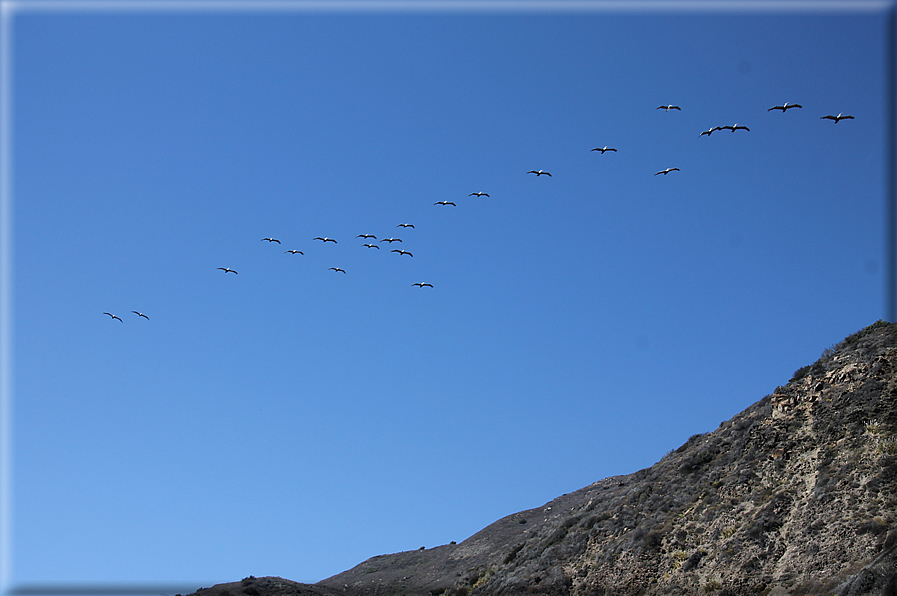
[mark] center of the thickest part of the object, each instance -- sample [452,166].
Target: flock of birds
[401,252]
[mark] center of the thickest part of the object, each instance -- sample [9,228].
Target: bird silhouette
[391,240]
[371,246]
[140,314]
[478,194]
[734,127]
[709,132]
[402,252]
[539,172]
[113,316]
[294,252]
[227,270]
[669,107]
[325,239]
[272,240]
[445,203]
[837,118]
[366,236]
[338,269]
[667,171]
[405,225]
[603,149]
[421,284]
[785,107]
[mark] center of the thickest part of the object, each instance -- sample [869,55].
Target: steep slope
[795,495]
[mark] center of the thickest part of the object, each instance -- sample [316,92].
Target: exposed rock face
[795,495]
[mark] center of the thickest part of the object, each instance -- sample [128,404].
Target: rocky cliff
[795,495]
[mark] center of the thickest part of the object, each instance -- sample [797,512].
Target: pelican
[837,118]
[478,194]
[325,239]
[403,252]
[539,172]
[371,246]
[734,127]
[272,240]
[667,171]
[421,284]
[785,107]
[603,149]
[668,108]
[391,240]
[405,226]
[294,252]
[113,316]
[445,203]
[228,270]
[338,269]
[366,236]
[709,132]
[140,314]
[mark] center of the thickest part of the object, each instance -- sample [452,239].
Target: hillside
[795,495]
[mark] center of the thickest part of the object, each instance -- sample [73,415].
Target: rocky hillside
[795,495]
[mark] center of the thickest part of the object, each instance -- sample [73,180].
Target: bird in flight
[294,252]
[785,107]
[366,236]
[140,314]
[371,246]
[272,240]
[391,240]
[669,107]
[478,194]
[113,316]
[403,252]
[421,284]
[405,226]
[325,239]
[227,270]
[445,203]
[667,171]
[734,127]
[837,118]
[539,172]
[709,132]
[603,149]
[338,269]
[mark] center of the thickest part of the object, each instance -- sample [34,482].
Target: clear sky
[294,420]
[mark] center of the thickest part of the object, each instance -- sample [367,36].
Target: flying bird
[669,107]
[140,314]
[421,284]
[539,172]
[603,149]
[366,236]
[391,240]
[667,171]
[709,132]
[445,203]
[403,252]
[837,118]
[338,269]
[371,246]
[325,239]
[113,316]
[227,270]
[734,127]
[785,107]
[405,226]
[272,240]
[478,194]
[293,252]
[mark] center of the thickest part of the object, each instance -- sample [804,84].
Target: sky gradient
[293,420]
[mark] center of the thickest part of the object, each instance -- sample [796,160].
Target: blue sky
[292,420]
